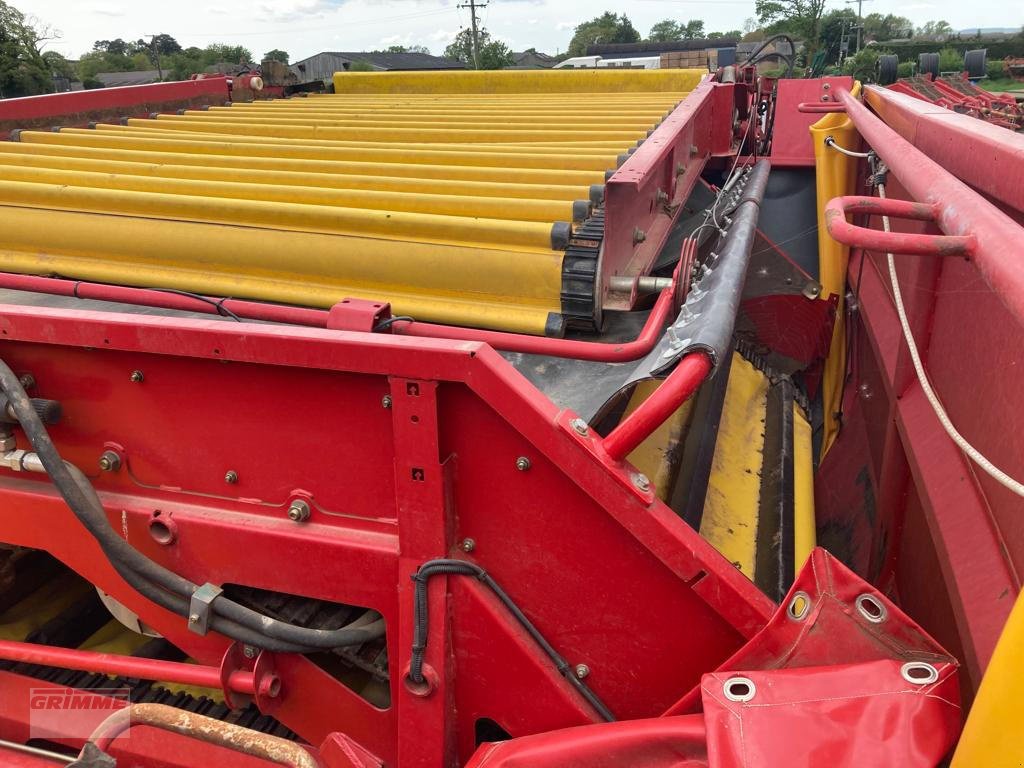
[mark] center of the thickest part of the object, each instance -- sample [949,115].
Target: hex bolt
[27,380]
[231,477]
[579,426]
[137,377]
[298,512]
[661,196]
[581,670]
[193,618]
[467,545]
[110,461]
[385,401]
[642,482]
[249,651]
[638,235]
[522,463]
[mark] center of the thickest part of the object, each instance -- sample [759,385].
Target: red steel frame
[297,413]
[938,519]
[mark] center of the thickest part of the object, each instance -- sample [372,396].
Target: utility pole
[860,18]
[473,5]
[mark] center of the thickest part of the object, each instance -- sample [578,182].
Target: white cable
[831,142]
[991,469]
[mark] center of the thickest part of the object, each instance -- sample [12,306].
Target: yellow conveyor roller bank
[450,194]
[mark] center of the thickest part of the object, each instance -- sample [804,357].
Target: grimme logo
[72,712]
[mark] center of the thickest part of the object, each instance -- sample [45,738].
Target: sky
[305,27]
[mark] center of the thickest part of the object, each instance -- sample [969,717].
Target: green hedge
[909,51]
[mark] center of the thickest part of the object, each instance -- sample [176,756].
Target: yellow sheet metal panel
[804,525]
[515,209]
[734,486]
[658,455]
[519,81]
[993,736]
[475,286]
[393,225]
[835,175]
[215,173]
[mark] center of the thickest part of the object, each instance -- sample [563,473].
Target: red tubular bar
[239,681]
[891,242]
[959,209]
[317,318]
[815,107]
[688,375]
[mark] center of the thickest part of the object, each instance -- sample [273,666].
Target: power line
[860,17]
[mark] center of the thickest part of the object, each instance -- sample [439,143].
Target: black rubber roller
[887,69]
[621,159]
[561,231]
[16,134]
[928,64]
[597,194]
[580,210]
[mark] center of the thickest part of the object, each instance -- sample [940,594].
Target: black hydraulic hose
[227,615]
[463,568]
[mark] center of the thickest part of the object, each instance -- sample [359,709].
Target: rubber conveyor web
[453,206]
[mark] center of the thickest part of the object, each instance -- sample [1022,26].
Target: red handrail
[911,244]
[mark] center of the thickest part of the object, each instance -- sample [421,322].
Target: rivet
[581,670]
[522,463]
[231,477]
[137,377]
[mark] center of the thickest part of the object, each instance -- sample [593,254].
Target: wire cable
[987,466]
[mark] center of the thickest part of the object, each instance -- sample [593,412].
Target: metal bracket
[199,607]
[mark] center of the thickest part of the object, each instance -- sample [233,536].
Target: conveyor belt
[452,197]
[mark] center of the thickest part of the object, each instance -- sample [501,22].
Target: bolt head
[110,461]
[249,652]
[579,426]
[581,670]
[193,618]
[522,463]
[137,377]
[467,545]
[231,477]
[385,401]
[642,482]
[299,511]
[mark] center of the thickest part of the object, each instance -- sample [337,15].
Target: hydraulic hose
[163,586]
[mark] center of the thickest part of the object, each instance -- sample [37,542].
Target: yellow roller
[68,146]
[548,81]
[382,156]
[444,205]
[449,284]
[398,135]
[419,227]
[214,173]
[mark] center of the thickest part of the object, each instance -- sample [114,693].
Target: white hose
[989,468]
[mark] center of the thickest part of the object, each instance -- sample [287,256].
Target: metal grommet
[799,606]
[919,672]
[739,689]
[871,608]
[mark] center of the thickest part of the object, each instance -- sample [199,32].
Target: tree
[888,27]
[116,47]
[863,65]
[276,55]
[835,25]
[406,49]
[732,34]
[665,31]
[492,54]
[936,30]
[23,70]
[606,28]
[692,30]
[801,18]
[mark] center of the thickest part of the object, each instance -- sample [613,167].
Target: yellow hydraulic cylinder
[548,211]
[476,286]
[397,135]
[804,522]
[420,227]
[246,156]
[208,172]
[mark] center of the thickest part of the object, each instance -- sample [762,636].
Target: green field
[1001,84]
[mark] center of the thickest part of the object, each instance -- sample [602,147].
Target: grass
[1001,84]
